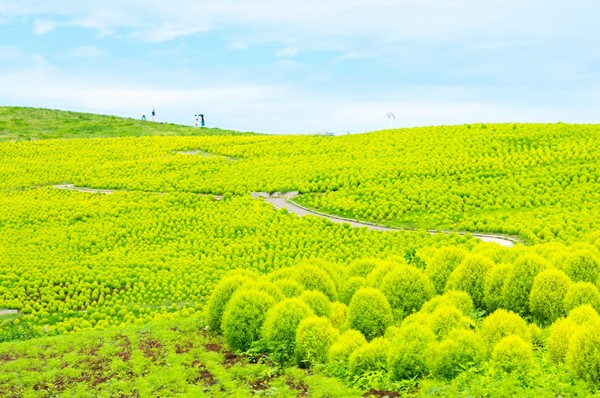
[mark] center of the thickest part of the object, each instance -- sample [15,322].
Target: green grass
[20,123]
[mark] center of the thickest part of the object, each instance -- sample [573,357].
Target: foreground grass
[20,123]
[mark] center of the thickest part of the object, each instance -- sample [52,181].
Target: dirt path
[281,200]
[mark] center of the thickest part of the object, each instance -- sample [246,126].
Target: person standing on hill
[153,115]
[143,115]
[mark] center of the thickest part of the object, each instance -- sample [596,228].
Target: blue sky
[306,66]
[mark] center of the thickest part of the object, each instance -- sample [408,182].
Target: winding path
[282,201]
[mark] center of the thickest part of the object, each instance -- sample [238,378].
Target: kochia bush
[369,313]
[244,317]
[583,315]
[313,278]
[582,293]
[583,266]
[449,357]
[558,341]
[338,315]
[469,277]
[317,301]
[215,307]
[290,288]
[351,286]
[512,354]
[406,289]
[546,300]
[440,267]
[583,355]
[314,337]
[369,357]
[340,351]
[447,318]
[503,323]
[494,285]
[407,358]
[454,298]
[520,281]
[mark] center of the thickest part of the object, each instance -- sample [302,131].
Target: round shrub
[494,285]
[314,337]
[583,315]
[583,266]
[243,318]
[512,354]
[520,281]
[547,295]
[406,357]
[338,315]
[582,293]
[317,301]
[502,323]
[449,357]
[583,355]
[266,286]
[443,263]
[369,313]
[219,298]
[371,357]
[290,288]
[352,285]
[279,329]
[340,351]
[453,298]
[363,267]
[469,277]
[447,318]
[313,278]
[375,278]
[559,338]
[406,289]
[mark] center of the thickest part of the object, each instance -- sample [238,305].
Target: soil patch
[301,387]
[381,394]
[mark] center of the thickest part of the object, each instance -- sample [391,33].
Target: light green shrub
[461,350]
[375,278]
[442,264]
[455,298]
[342,348]
[290,288]
[363,267]
[314,337]
[352,285]
[520,281]
[546,300]
[583,266]
[338,315]
[279,329]
[317,301]
[494,285]
[583,315]
[582,293]
[369,313]
[559,338]
[469,277]
[583,355]
[264,285]
[371,357]
[406,289]
[447,318]
[512,354]
[407,358]
[313,278]
[502,323]
[215,307]
[244,317]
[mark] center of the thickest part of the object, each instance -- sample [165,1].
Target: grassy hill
[21,123]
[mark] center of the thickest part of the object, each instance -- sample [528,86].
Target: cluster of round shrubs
[394,323]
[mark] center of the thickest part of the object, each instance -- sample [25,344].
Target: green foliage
[369,313]
[219,298]
[494,286]
[406,289]
[454,298]
[352,285]
[407,358]
[362,268]
[370,357]
[447,318]
[411,258]
[338,315]
[244,317]
[441,266]
[561,333]
[313,278]
[583,355]
[520,281]
[314,337]
[317,301]
[290,288]
[469,276]
[580,293]
[461,350]
[502,323]
[512,354]
[583,266]
[548,294]
[279,329]
[340,351]
[583,315]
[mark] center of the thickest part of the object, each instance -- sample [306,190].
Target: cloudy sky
[309,66]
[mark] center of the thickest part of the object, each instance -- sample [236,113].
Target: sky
[306,66]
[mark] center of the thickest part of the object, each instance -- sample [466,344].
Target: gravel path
[282,201]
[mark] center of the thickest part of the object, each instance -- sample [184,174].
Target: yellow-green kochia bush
[520,281]
[453,298]
[583,355]
[219,298]
[351,286]
[583,315]
[512,354]
[338,315]
[445,319]
[344,346]
[290,288]
[546,300]
[441,266]
[244,317]
[370,313]
[502,323]
[406,289]
[469,277]
[494,285]
[279,329]
[362,268]
[317,301]
[583,266]
[407,357]
[582,293]
[557,344]
[454,354]
[313,278]
[314,337]
[370,357]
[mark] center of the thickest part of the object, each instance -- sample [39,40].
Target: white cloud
[43,26]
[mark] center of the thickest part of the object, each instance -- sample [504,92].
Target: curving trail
[281,201]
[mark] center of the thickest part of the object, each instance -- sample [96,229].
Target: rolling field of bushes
[181,283]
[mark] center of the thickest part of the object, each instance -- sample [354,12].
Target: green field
[181,283]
